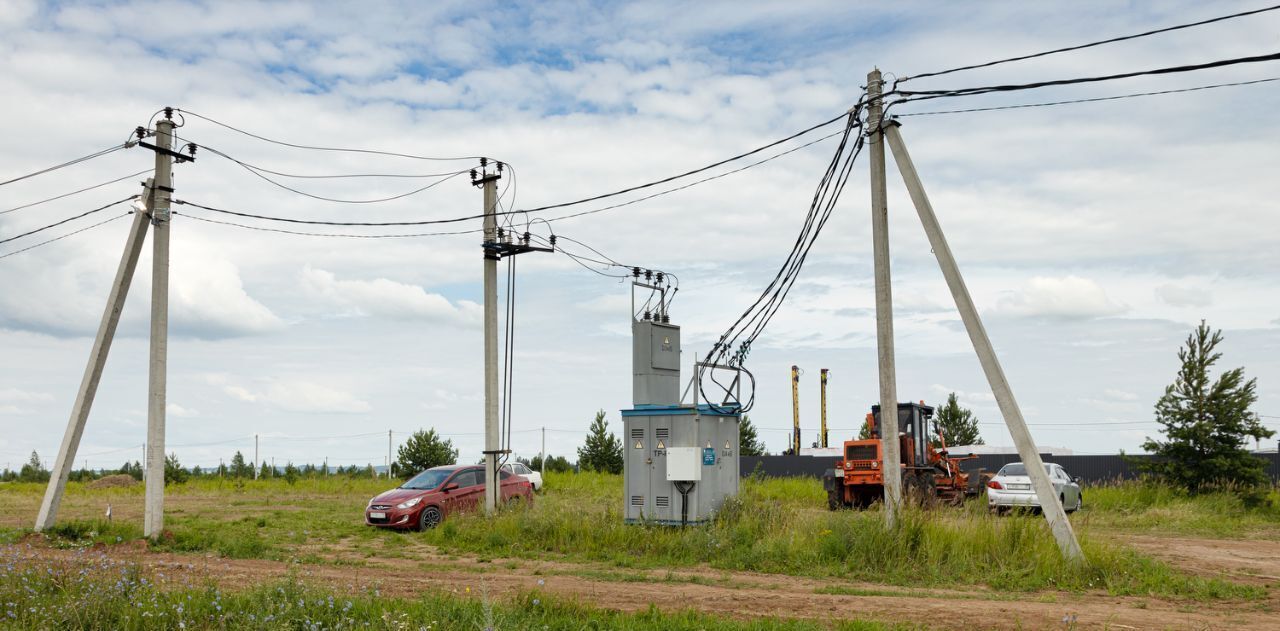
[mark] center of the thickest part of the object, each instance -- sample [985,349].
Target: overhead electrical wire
[687,173]
[96,154]
[322,148]
[1089,100]
[68,219]
[1089,45]
[922,95]
[61,237]
[76,192]
[327,234]
[734,345]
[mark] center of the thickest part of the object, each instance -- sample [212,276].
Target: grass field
[776,526]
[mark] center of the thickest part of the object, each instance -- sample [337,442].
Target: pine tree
[424,450]
[34,470]
[603,450]
[865,432]
[1207,424]
[173,471]
[959,426]
[239,468]
[749,443]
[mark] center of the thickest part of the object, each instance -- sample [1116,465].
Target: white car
[519,468]
[1011,487]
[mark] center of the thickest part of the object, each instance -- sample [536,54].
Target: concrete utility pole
[542,454]
[1049,501]
[48,514]
[257,466]
[153,520]
[389,454]
[884,306]
[491,431]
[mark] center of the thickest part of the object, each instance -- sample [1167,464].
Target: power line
[320,148]
[72,233]
[68,163]
[89,188]
[327,234]
[922,95]
[1089,45]
[59,223]
[1090,100]
[446,177]
[688,173]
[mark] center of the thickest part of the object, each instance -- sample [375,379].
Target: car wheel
[430,518]
[1080,501]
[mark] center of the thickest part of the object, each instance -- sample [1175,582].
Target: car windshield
[429,479]
[1017,468]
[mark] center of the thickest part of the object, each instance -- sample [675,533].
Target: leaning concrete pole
[1052,507]
[491,433]
[93,371]
[153,513]
[889,451]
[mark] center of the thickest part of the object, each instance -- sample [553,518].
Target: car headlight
[409,504]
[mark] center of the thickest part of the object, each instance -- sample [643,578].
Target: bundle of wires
[731,350]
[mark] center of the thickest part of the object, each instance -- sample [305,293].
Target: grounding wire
[68,163]
[321,148]
[59,238]
[1090,100]
[68,219]
[1088,45]
[89,188]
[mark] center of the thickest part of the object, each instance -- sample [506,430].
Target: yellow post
[823,407]
[795,410]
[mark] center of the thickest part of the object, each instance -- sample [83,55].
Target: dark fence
[1088,468]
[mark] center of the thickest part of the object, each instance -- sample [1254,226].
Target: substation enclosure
[681,461]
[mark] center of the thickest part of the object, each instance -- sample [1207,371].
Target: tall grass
[774,528]
[95,592]
[1152,507]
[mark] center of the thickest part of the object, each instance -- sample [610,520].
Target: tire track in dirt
[736,594]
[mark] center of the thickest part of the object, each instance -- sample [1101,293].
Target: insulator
[473,175]
[646,314]
[141,132]
[168,113]
[660,277]
[648,274]
[666,319]
[499,167]
[484,162]
[526,234]
[635,271]
[553,240]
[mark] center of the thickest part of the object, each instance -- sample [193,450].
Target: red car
[427,498]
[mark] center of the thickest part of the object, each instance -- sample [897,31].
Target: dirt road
[742,594]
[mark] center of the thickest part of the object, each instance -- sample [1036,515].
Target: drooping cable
[327,234]
[1090,100]
[446,177]
[61,237]
[321,148]
[69,219]
[96,154]
[76,192]
[1088,45]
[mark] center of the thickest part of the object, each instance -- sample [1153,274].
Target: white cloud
[301,396]
[1183,296]
[177,411]
[1070,297]
[388,298]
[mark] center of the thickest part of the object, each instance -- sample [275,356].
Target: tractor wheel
[834,501]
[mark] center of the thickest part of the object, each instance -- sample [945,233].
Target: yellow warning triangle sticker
[639,445]
[661,444]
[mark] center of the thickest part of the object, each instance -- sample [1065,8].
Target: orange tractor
[929,474]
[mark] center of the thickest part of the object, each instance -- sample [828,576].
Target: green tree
[1207,423]
[34,470]
[423,450]
[196,471]
[559,464]
[173,471]
[865,432]
[239,468]
[132,469]
[749,443]
[603,450]
[291,473]
[959,426]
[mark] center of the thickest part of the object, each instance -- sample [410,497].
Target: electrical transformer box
[680,463]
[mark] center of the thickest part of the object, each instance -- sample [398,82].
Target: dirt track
[749,595]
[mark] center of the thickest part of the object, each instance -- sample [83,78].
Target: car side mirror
[449,487]
[1076,479]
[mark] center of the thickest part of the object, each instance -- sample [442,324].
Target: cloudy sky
[1093,236]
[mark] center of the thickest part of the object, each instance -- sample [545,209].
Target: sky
[1094,237]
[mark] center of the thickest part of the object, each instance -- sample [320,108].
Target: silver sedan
[1011,488]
